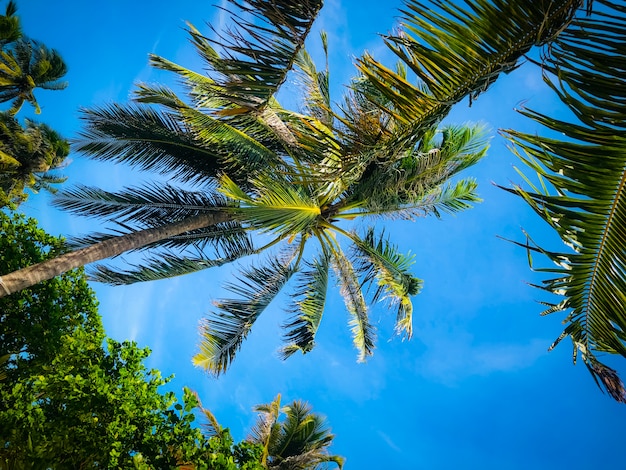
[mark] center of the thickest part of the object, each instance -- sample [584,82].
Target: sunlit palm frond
[224,330]
[309,300]
[148,139]
[240,151]
[278,206]
[316,85]
[381,264]
[144,205]
[266,429]
[210,426]
[299,440]
[582,190]
[25,65]
[199,86]
[159,95]
[363,332]
[457,49]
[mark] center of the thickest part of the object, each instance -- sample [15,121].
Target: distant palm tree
[10,26]
[300,441]
[27,155]
[25,65]
[249,165]
[580,190]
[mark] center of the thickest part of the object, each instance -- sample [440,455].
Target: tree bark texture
[31,275]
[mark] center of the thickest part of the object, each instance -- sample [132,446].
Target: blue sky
[474,388]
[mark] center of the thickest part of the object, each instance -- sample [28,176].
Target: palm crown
[292,177]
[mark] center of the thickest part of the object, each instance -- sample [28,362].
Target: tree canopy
[70,397]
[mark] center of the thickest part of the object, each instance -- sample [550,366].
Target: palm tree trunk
[31,275]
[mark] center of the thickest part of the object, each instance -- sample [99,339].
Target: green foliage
[293,437]
[67,401]
[580,192]
[33,321]
[27,155]
[27,152]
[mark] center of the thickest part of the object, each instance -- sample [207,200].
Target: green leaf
[582,193]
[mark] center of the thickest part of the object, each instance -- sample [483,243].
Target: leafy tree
[581,192]
[294,177]
[68,402]
[33,321]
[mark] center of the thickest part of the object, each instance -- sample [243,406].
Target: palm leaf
[363,333]
[165,265]
[278,205]
[413,182]
[379,262]
[260,49]
[316,85]
[582,195]
[148,205]
[309,300]
[457,49]
[223,332]
[148,139]
[266,429]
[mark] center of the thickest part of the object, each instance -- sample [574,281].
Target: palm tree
[248,165]
[27,155]
[300,441]
[297,441]
[10,27]
[580,191]
[25,65]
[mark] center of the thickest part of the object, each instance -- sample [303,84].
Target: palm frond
[379,262]
[148,205]
[363,333]
[416,179]
[266,429]
[223,332]
[582,194]
[458,49]
[259,50]
[238,149]
[148,139]
[164,266]
[309,300]
[299,440]
[210,427]
[278,206]
[316,85]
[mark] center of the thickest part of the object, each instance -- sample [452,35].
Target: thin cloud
[449,361]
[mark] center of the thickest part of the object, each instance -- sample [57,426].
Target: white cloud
[453,359]
[389,442]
